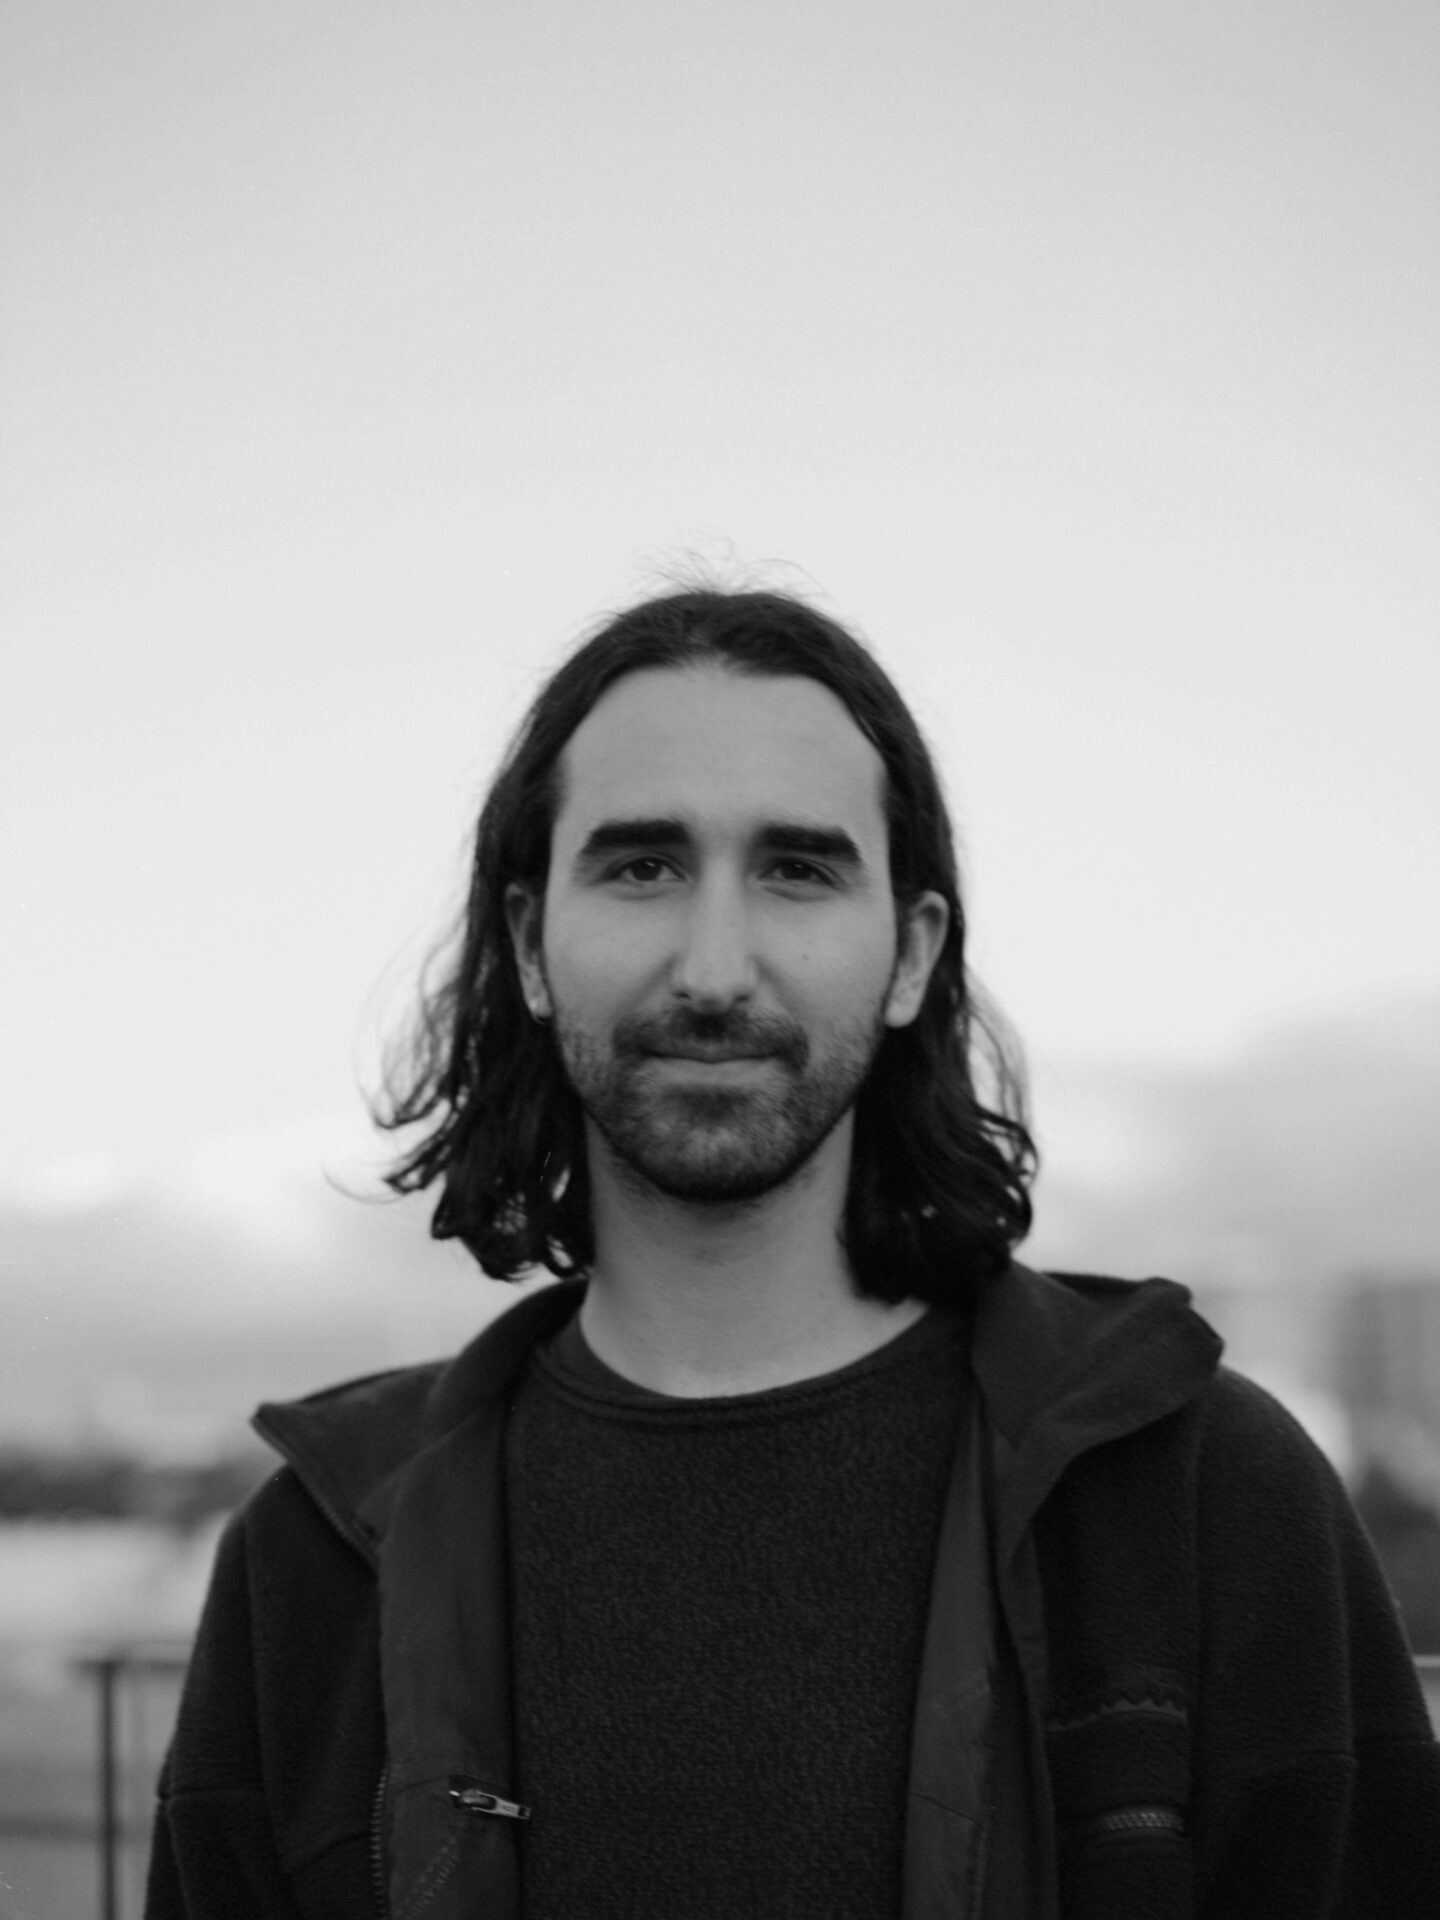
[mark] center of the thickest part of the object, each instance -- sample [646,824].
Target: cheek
[845,985]
[588,966]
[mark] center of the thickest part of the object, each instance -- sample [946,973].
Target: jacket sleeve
[213,1852]
[1318,1774]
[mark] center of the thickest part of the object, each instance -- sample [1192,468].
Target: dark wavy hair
[939,1186]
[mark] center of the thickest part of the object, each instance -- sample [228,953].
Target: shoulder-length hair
[939,1182]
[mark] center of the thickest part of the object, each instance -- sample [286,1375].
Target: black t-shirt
[719,1607]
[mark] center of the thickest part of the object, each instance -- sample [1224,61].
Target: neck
[699,1300]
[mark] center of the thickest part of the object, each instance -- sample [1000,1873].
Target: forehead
[720,749]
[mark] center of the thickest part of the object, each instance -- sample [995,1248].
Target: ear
[523,916]
[922,935]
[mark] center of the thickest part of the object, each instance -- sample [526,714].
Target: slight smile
[712,1060]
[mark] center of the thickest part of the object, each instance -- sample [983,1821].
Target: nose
[714,964]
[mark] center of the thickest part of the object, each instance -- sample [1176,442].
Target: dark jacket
[1214,1710]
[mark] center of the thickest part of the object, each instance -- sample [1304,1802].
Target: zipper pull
[476,1800]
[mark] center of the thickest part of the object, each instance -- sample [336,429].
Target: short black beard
[715,1146]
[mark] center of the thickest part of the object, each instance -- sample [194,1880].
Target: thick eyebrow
[623,836]
[831,844]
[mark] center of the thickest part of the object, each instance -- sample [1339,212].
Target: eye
[794,872]
[644,870]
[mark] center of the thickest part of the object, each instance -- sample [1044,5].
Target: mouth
[711,1056]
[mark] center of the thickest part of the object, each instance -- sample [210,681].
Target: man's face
[718,943]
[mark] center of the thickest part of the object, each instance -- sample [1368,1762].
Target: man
[799,1554]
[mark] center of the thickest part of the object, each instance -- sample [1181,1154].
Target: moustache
[644,1034]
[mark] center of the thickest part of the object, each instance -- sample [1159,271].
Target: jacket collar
[349,1444]
[1064,1362]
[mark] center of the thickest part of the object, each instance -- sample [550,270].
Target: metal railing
[83,1729]
[109,1669]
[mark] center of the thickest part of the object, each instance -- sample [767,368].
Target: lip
[709,1056]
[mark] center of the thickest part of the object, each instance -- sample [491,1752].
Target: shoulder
[1267,1493]
[347,1444]
[1236,1407]
[1296,1607]
[1254,1449]
[1285,1559]
[339,1445]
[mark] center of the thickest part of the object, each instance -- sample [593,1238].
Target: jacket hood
[1064,1362]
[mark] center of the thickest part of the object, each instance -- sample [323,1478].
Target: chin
[708,1189]
[718,1176]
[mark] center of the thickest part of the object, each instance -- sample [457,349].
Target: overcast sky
[357,355]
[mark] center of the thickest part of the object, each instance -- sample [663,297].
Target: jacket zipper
[1131,1820]
[475,1799]
[463,1793]
[470,1798]
[377,1844]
